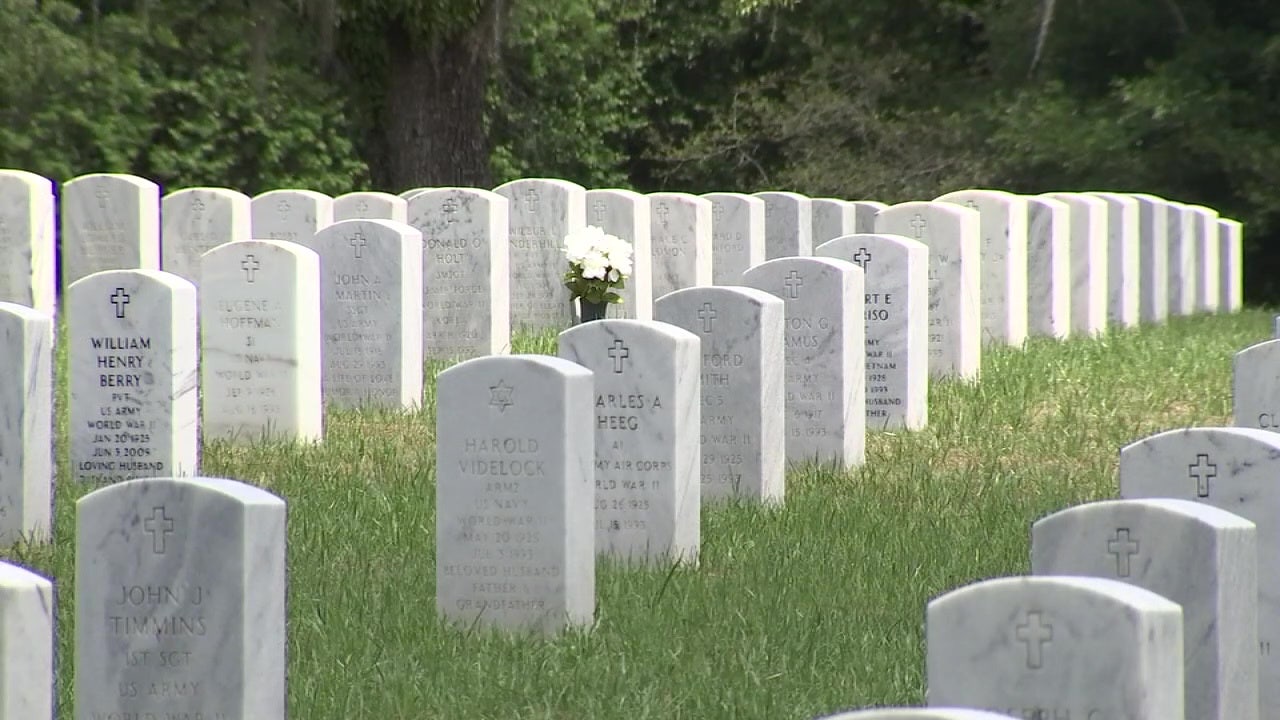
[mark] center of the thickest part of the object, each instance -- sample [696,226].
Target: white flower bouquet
[599,265]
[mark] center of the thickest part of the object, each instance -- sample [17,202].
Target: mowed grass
[793,612]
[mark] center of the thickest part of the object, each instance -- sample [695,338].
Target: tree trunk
[433,129]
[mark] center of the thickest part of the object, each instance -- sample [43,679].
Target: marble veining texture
[737,235]
[1123,258]
[26,424]
[788,225]
[1056,647]
[371,313]
[743,398]
[541,212]
[109,222]
[132,362]
[1153,256]
[197,220]
[180,600]
[1003,251]
[832,218]
[27,247]
[825,356]
[1231,267]
[466,282]
[1048,268]
[1208,258]
[515,494]
[1089,256]
[896,294]
[26,644]
[1233,469]
[952,233]
[370,206]
[1182,259]
[681,241]
[1202,558]
[292,215]
[647,422]
[261,347]
[625,214]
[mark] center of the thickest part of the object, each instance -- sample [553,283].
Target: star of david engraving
[500,396]
[1122,547]
[619,352]
[1202,471]
[283,207]
[793,282]
[120,298]
[706,314]
[197,206]
[159,527]
[250,265]
[1036,634]
[362,207]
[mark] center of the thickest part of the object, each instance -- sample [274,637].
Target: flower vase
[591,310]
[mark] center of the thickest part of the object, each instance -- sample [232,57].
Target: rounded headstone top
[918,714]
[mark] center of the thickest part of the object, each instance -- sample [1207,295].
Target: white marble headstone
[197,220]
[647,423]
[625,214]
[370,205]
[541,212]
[1123,259]
[680,227]
[864,215]
[1182,259]
[515,497]
[1003,219]
[1231,267]
[132,363]
[1255,386]
[788,224]
[1089,258]
[292,215]
[895,272]
[26,644]
[27,245]
[407,195]
[952,234]
[1048,267]
[26,425]
[1233,469]
[109,222]
[1208,260]
[180,601]
[737,235]
[825,344]
[743,398]
[261,349]
[371,313]
[1153,258]
[1056,647]
[466,308]
[1200,557]
[832,218]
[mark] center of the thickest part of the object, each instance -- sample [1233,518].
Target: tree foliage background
[884,99]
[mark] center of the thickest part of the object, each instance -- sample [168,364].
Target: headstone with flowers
[599,265]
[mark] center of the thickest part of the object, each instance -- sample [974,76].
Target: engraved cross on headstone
[500,396]
[120,298]
[793,283]
[159,527]
[706,314]
[619,352]
[1035,633]
[717,211]
[358,243]
[1202,471]
[250,265]
[283,207]
[598,207]
[918,223]
[1123,548]
[531,200]
[197,206]
[663,213]
[862,257]
[102,195]
[362,207]
[450,208]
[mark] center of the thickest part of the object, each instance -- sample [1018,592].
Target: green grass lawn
[793,613]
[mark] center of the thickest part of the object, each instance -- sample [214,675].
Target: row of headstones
[1078,259]
[179,607]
